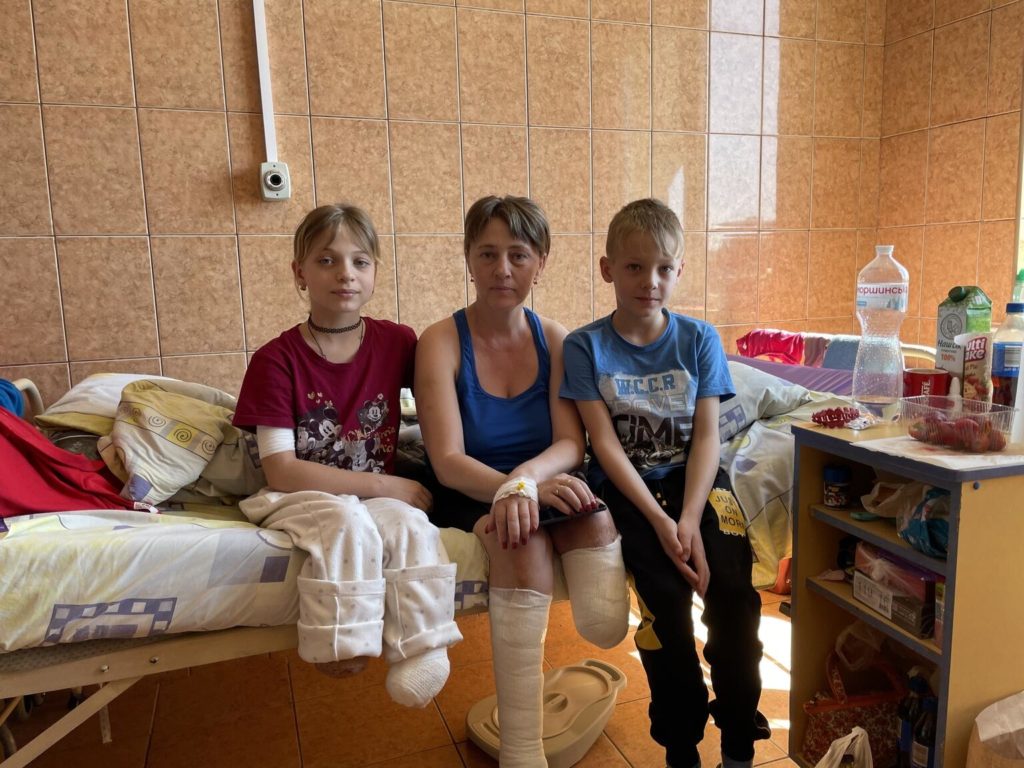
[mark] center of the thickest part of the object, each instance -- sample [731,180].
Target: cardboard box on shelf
[903,593]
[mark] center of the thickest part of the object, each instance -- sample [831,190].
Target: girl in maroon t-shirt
[323,400]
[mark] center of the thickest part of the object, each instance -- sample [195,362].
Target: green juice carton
[965,310]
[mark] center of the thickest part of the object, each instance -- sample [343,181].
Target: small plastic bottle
[882,288]
[1007,345]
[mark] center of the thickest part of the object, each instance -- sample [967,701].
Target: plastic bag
[888,499]
[856,744]
[998,737]
[925,526]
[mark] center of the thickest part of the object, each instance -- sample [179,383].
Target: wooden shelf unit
[978,658]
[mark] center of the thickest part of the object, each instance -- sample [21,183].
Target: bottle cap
[883,250]
[835,473]
[1015,306]
[1020,276]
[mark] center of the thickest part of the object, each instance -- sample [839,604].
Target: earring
[302,286]
[535,281]
[471,279]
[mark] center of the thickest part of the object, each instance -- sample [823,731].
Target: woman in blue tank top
[502,443]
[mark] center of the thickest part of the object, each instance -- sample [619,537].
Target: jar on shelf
[837,486]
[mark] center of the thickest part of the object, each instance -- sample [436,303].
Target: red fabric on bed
[780,346]
[37,476]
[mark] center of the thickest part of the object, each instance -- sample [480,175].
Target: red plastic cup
[925,381]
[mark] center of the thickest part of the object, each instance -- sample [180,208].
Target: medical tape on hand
[517,486]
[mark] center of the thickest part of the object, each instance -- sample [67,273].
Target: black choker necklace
[346,329]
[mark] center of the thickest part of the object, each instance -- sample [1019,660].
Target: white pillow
[758,395]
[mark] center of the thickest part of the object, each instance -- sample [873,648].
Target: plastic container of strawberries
[973,426]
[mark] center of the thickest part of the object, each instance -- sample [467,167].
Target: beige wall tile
[960,63]
[422,76]
[788,86]
[732,278]
[955,170]
[577,8]
[635,11]
[384,304]
[492,67]
[187,176]
[902,170]
[622,171]
[680,13]
[838,89]
[688,297]
[100,70]
[790,18]
[350,158]
[735,93]
[558,71]
[953,10]
[493,5]
[105,280]
[565,291]
[870,151]
[176,54]
[146,366]
[21,146]
[560,176]
[782,276]
[621,72]
[355,27]
[906,84]
[287,44]
[253,215]
[31,324]
[198,296]
[908,250]
[270,302]
[18,74]
[950,258]
[426,178]
[1002,153]
[835,183]
[52,380]
[431,278]
[843,20]
[906,18]
[786,182]
[745,16]
[874,32]
[494,162]
[730,333]
[733,166]
[224,372]
[867,239]
[832,275]
[80,164]
[997,262]
[1007,51]
[679,176]
[679,76]
[871,117]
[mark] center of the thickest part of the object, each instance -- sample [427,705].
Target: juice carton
[965,310]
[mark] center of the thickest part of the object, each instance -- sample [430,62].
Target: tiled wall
[137,240]
[951,112]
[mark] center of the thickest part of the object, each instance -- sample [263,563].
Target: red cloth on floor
[780,346]
[37,476]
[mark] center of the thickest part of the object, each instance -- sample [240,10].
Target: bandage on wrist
[517,486]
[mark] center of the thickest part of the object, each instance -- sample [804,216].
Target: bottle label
[919,755]
[1006,358]
[883,296]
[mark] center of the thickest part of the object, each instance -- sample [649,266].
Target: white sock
[596,579]
[519,622]
[413,682]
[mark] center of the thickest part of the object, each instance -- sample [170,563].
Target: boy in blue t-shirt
[648,384]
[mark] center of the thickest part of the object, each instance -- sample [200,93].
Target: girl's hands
[566,493]
[409,491]
[514,518]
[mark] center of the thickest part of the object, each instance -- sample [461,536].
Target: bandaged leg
[596,580]
[341,589]
[420,603]
[519,620]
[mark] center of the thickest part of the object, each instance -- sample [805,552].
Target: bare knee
[525,567]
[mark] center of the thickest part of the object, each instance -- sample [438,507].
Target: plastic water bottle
[882,288]
[1006,356]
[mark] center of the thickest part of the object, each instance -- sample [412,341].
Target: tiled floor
[277,711]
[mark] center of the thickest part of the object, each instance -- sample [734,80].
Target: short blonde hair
[327,219]
[653,218]
[525,219]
